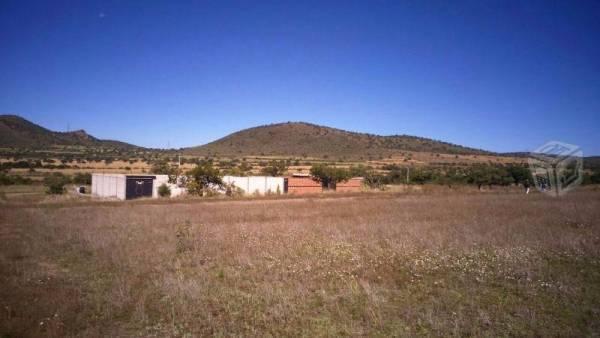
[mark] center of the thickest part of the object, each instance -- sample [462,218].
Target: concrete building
[123,186]
[257,184]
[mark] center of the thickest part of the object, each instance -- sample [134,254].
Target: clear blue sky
[498,75]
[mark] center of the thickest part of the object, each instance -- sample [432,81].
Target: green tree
[55,183]
[202,177]
[520,174]
[450,177]
[360,170]
[501,176]
[421,175]
[13,179]
[82,178]
[329,176]
[245,167]
[396,175]
[591,178]
[274,168]
[163,167]
[241,170]
[235,171]
[479,175]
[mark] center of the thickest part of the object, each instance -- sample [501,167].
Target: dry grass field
[495,264]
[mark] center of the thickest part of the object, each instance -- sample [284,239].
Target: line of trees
[6,179]
[479,175]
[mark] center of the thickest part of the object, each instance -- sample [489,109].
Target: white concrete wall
[108,186]
[164,179]
[158,181]
[256,184]
[177,191]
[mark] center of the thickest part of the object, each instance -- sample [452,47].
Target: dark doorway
[138,186]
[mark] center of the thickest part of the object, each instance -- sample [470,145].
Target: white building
[126,186]
[257,184]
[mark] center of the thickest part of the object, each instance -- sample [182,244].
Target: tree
[244,167]
[203,177]
[519,174]
[163,167]
[450,176]
[396,175]
[500,176]
[274,168]
[329,176]
[595,177]
[241,170]
[13,179]
[479,175]
[421,175]
[82,178]
[360,171]
[55,183]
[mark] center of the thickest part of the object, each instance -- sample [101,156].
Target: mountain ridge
[16,132]
[312,140]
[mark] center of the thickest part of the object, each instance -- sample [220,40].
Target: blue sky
[498,75]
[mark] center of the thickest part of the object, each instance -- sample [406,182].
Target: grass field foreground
[456,264]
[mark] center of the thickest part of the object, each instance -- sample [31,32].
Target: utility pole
[407,175]
[178,168]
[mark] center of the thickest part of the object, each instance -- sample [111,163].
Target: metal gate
[136,187]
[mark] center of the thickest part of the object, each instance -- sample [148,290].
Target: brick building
[306,184]
[303,184]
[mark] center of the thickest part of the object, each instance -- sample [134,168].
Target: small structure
[303,184]
[306,184]
[258,184]
[352,185]
[123,186]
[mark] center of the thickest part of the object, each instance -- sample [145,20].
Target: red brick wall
[303,185]
[304,190]
[306,185]
[352,185]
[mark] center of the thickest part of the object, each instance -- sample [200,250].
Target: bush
[82,178]
[56,183]
[13,179]
[164,190]
[274,168]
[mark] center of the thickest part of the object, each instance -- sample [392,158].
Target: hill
[17,132]
[309,140]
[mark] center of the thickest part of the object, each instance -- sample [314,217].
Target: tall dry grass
[454,264]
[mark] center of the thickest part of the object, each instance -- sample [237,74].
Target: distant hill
[305,139]
[17,132]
